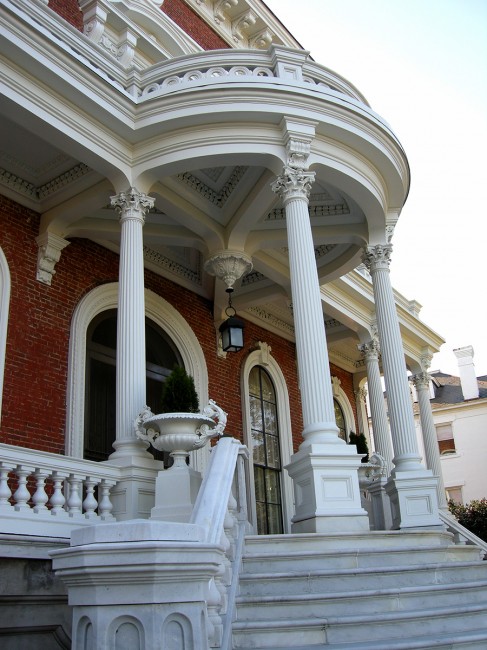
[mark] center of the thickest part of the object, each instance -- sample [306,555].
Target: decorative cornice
[176,268]
[218,198]
[252,278]
[271,319]
[20,185]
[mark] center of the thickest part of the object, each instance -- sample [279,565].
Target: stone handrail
[48,494]
[221,510]
[461,534]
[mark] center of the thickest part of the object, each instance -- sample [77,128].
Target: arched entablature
[103,298]
[4,309]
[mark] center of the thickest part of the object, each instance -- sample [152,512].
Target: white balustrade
[48,494]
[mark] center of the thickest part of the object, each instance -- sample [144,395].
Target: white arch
[158,310]
[341,397]
[262,357]
[4,307]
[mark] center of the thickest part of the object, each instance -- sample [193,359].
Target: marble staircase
[380,590]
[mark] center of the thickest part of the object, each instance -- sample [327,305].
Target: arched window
[100,381]
[340,420]
[265,452]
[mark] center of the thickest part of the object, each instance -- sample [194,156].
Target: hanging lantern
[231,330]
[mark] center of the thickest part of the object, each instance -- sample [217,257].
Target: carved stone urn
[178,434]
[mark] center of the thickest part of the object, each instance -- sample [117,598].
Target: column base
[414,499]
[134,495]
[326,490]
[176,492]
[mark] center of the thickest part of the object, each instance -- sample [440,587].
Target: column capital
[370,350]
[361,393]
[293,183]
[421,380]
[377,257]
[132,204]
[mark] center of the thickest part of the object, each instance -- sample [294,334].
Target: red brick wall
[69,10]
[346,385]
[34,409]
[193,25]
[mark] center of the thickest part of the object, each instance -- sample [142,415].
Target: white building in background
[459,405]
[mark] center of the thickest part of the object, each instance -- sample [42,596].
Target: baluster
[105,506]
[5,491]
[215,627]
[40,498]
[90,503]
[74,502]
[57,499]
[22,494]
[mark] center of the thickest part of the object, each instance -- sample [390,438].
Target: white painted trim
[158,310]
[257,358]
[4,307]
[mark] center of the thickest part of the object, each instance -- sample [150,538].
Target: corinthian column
[314,371]
[380,425]
[412,488]
[324,470]
[421,382]
[131,381]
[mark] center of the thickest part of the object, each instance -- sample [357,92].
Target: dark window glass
[101,351]
[265,452]
[340,420]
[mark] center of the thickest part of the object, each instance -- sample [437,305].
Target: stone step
[470,640]
[349,558]
[388,629]
[335,581]
[365,601]
[315,542]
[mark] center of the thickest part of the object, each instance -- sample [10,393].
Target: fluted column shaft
[407,456]
[380,425]
[131,380]
[314,373]
[421,383]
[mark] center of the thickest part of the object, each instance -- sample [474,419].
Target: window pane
[258,449]
[272,450]
[272,488]
[274,520]
[261,518]
[256,414]
[340,420]
[267,387]
[270,418]
[254,382]
[259,484]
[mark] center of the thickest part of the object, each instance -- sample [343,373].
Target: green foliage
[179,393]
[360,441]
[472,515]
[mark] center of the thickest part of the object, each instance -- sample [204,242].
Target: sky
[422,65]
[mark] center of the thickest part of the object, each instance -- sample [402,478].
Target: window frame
[262,357]
[4,314]
[157,309]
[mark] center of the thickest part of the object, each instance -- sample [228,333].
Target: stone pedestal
[414,500]
[139,585]
[381,505]
[326,490]
[176,492]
